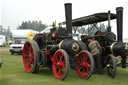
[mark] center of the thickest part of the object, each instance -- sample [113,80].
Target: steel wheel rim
[59,65]
[28,57]
[84,68]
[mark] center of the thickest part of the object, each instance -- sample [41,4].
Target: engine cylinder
[70,45]
[117,48]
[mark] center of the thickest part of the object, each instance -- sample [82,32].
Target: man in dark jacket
[96,51]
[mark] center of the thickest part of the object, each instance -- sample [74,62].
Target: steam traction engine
[58,51]
[110,46]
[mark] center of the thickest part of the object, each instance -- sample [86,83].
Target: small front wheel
[85,64]
[60,64]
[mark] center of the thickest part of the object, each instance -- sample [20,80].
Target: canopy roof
[98,17]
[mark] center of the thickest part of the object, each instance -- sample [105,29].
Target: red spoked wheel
[85,64]
[30,54]
[60,64]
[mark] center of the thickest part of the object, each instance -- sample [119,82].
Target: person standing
[1,64]
[96,51]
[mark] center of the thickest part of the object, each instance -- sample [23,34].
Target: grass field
[13,73]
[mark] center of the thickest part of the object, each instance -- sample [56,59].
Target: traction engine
[110,46]
[58,51]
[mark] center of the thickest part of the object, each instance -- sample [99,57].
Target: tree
[5,32]
[34,25]
[1,29]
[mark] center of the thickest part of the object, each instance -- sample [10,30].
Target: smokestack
[68,15]
[119,12]
[109,18]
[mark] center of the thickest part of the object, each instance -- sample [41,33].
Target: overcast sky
[13,12]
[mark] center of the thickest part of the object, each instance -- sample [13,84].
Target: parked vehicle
[3,40]
[19,38]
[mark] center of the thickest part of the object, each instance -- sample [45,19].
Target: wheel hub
[60,64]
[108,65]
[85,64]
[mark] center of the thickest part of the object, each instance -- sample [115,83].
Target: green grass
[13,73]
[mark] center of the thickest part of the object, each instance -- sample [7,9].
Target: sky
[14,12]
[0,11]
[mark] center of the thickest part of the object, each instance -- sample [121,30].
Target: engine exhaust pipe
[109,19]
[119,12]
[68,16]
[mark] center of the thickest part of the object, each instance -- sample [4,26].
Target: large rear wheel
[85,64]
[60,64]
[30,54]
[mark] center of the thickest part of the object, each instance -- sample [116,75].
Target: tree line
[34,25]
[6,32]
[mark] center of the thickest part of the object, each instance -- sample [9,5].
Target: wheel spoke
[26,55]
[28,48]
[87,70]
[63,62]
[60,59]
[57,59]
[61,55]
[59,72]
[83,70]
[85,58]
[30,61]
[31,50]
[64,69]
